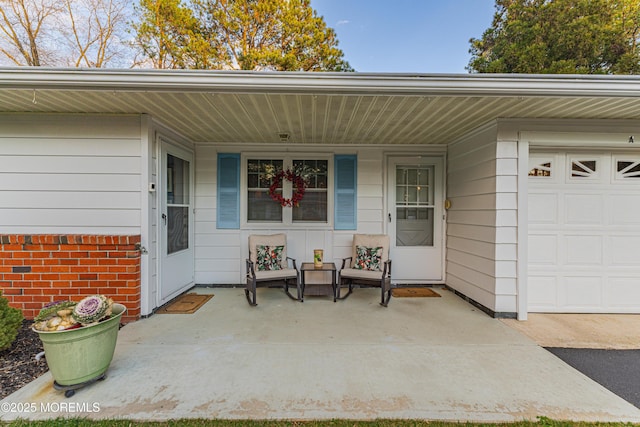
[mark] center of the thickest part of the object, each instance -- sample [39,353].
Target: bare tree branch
[79,33]
[22,28]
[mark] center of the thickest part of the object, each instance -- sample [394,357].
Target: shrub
[10,321]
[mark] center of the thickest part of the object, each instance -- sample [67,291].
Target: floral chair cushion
[368,258]
[268,258]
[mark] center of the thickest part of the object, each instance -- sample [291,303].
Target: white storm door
[415,216]
[176,221]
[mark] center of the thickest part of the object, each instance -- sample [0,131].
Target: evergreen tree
[282,35]
[560,37]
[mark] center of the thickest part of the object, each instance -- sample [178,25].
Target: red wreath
[298,183]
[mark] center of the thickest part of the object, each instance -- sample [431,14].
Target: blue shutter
[345,168]
[228,212]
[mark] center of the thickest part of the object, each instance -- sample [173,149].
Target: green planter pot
[80,355]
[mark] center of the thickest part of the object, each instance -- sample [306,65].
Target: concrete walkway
[595,331]
[420,358]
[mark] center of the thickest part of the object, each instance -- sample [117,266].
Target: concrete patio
[420,358]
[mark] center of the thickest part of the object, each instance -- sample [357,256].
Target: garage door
[584,232]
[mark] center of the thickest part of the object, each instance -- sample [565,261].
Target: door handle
[389,217]
[164,218]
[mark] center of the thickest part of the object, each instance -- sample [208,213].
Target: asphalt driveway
[617,370]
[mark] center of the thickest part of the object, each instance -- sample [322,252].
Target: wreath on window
[298,183]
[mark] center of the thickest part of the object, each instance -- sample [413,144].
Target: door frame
[166,145]
[439,205]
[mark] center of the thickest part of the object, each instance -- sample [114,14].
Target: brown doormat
[414,292]
[185,304]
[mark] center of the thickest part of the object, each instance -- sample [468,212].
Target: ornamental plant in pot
[79,339]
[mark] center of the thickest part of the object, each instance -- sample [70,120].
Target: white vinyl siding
[70,174]
[482,221]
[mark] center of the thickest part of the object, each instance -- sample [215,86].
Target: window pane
[260,206]
[314,172]
[260,173]
[583,168]
[412,186]
[177,188]
[313,207]
[412,195]
[412,178]
[414,219]
[628,169]
[414,227]
[321,181]
[177,180]
[542,169]
[177,228]
[423,177]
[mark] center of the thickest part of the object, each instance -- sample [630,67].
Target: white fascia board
[320,82]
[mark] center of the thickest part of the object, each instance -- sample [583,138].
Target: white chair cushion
[268,240]
[354,273]
[285,273]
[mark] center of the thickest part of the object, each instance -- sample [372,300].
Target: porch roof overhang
[332,108]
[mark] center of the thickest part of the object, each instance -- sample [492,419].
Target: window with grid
[260,206]
[313,208]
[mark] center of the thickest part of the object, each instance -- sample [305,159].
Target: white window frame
[287,213]
[536,161]
[617,176]
[596,176]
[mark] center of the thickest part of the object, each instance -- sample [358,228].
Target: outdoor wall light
[284,136]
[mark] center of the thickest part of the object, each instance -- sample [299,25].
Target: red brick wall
[38,269]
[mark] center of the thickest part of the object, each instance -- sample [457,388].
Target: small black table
[322,288]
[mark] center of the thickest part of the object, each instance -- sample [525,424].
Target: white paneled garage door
[584,232]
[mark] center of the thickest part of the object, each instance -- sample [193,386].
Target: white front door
[415,216]
[176,221]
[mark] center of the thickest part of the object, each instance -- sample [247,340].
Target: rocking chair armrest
[293,260]
[250,269]
[344,260]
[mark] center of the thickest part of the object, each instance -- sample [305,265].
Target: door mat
[413,292]
[185,304]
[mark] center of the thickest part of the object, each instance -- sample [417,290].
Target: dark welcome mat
[185,304]
[414,292]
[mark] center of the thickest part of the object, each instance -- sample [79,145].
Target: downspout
[523,229]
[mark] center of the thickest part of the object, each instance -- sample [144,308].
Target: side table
[318,289]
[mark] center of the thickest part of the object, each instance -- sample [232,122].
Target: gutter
[141,80]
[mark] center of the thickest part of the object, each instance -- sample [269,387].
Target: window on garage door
[584,168]
[626,169]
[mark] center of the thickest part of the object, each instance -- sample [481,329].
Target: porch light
[284,136]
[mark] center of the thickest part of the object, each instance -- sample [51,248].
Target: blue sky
[421,36]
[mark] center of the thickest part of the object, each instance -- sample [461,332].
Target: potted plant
[79,339]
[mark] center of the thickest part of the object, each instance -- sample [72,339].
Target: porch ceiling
[354,108]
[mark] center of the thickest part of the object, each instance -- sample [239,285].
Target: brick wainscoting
[38,269]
